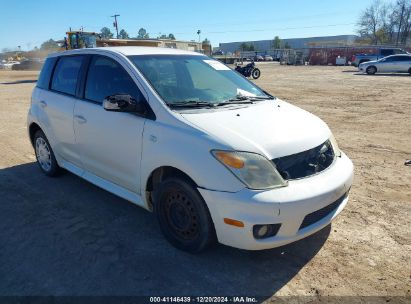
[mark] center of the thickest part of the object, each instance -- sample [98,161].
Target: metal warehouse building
[294,43]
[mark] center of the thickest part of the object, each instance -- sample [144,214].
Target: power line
[269,30]
[264,21]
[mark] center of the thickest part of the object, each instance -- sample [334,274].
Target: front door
[110,143]
[387,65]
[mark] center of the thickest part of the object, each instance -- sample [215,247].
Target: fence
[317,55]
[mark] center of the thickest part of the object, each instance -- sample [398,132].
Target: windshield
[193,78]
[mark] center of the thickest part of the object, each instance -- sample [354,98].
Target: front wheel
[45,155]
[371,70]
[183,215]
[256,73]
[409,71]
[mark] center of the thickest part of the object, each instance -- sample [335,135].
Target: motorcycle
[249,70]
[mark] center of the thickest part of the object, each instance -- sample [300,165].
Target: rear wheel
[183,215]
[371,70]
[45,155]
[256,73]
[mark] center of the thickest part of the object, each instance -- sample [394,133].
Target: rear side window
[66,74]
[45,74]
[106,77]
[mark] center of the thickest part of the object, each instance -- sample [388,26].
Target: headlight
[337,151]
[254,170]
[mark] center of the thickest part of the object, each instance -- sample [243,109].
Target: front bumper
[287,206]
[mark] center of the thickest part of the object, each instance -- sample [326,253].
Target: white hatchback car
[183,135]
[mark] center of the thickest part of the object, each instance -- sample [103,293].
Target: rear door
[57,104]
[403,64]
[110,143]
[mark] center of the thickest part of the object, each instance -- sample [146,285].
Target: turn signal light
[230,159]
[232,222]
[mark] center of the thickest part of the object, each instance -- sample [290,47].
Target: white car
[183,135]
[8,65]
[390,64]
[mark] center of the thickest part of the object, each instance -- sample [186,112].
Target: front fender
[188,150]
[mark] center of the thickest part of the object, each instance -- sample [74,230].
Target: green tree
[206,41]
[287,46]
[164,36]
[123,34]
[276,42]
[142,34]
[49,45]
[106,33]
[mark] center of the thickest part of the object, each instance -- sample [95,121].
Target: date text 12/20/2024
[204,299]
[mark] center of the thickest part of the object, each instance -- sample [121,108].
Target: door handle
[80,119]
[43,104]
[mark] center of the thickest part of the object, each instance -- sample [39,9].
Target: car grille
[318,215]
[305,163]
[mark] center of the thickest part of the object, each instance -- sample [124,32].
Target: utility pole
[399,28]
[198,33]
[115,22]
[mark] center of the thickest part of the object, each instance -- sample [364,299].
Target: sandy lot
[63,236]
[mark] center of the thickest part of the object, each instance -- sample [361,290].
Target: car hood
[370,62]
[273,128]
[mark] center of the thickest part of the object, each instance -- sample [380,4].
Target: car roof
[128,51]
[402,55]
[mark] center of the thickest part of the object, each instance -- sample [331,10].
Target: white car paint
[118,152]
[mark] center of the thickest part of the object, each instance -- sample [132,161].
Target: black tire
[409,71]
[183,215]
[256,73]
[41,148]
[371,70]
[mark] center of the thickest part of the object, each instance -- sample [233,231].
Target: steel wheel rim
[43,154]
[181,216]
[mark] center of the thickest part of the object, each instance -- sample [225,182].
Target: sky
[28,23]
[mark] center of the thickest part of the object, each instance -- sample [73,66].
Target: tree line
[106,33]
[386,22]
[142,33]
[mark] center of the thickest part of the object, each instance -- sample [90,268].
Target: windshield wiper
[240,99]
[191,104]
[262,97]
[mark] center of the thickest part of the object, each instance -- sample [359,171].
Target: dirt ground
[64,236]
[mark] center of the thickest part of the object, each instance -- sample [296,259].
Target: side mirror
[123,103]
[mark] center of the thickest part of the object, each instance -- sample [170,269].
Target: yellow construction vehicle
[80,39]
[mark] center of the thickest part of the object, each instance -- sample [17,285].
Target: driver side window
[106,77]
[389,59]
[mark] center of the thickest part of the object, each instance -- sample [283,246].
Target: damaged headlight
[254,170]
